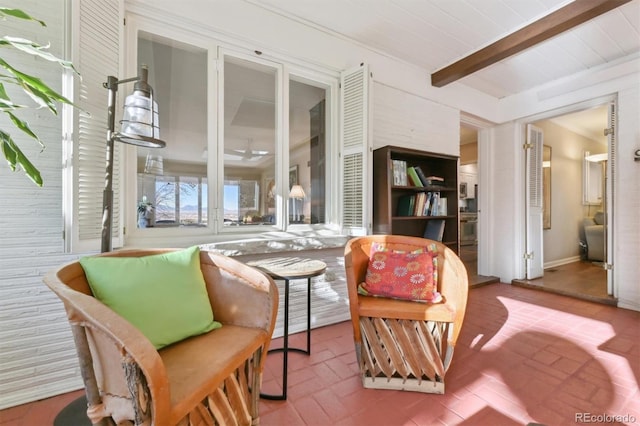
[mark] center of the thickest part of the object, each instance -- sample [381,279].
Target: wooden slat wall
[410,121]
[37,356]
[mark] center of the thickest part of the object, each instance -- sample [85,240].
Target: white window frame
[288,68]
[331,83]
[136,24]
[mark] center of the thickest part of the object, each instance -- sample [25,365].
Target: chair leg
[256,382]
[403,354]
[95,407]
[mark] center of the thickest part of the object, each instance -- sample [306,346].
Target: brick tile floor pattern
[523,356]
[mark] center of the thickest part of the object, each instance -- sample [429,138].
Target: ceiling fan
[246,154]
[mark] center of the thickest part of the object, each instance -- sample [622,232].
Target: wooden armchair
[402,344]
[213,378]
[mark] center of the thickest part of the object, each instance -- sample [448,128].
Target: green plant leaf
[35,49]
[17,13]
[38,90]
[15,157]
[6,104]
[24,126]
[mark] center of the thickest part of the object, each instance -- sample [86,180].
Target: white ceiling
[432,34]
[435,33]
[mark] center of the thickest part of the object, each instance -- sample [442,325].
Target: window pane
[307,153]
[249,143]
[178,75]
[165,200]
[193,209]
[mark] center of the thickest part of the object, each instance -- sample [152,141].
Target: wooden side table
[286,269]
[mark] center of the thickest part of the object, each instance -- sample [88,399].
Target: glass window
[307,153]
[249,143]
[270,141]
[173,180]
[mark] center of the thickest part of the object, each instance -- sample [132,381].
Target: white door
[533,197]
[609,197]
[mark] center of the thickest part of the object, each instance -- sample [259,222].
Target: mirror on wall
[546,187]
[592,179]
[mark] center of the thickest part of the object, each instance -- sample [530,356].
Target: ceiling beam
[563,19]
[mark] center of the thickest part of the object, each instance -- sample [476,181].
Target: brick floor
[523,356]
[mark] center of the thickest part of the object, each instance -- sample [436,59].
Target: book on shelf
[399,172]
[421,199]
[433,204]
[413,177]
[421,175]
[442,206]
[405,205]
[434,230]
[427,204]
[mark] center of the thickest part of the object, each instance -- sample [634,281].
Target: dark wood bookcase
[386,194]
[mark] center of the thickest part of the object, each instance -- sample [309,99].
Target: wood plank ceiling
[433,34]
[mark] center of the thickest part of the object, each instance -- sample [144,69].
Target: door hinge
[607,266]
[527,146]
[124,230]
[528,256]
[608,131]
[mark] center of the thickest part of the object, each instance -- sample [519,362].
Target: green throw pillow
[163,295]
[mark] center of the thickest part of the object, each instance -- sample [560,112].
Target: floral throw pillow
[431,248]
[401,275]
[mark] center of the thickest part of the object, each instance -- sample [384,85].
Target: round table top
[290,267]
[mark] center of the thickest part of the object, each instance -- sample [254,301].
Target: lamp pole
[149,141]
[107,195]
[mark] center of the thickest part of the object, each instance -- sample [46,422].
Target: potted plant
[145,208]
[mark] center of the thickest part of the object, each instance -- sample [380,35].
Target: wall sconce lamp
[139,127]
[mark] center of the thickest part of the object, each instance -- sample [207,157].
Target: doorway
[469,193]
[574,206]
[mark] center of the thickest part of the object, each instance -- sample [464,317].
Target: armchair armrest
[239,295]
[105,329]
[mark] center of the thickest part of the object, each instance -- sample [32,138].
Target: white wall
[410,121]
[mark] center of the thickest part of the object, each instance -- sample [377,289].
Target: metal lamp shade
[140,121]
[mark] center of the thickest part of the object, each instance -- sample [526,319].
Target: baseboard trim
[560,262]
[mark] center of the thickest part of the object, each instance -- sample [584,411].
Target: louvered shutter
[355,152]
[95,53]
[534,243]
